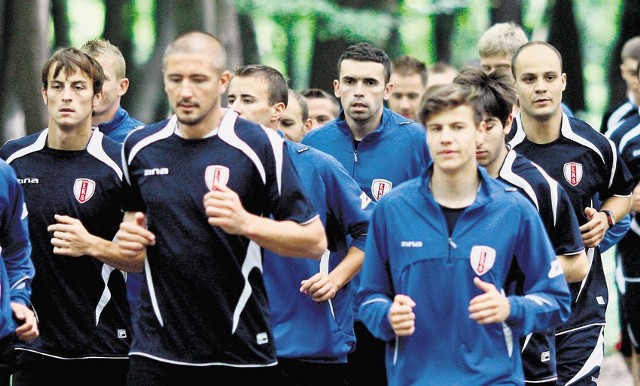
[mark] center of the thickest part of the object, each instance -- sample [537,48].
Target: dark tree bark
[443,30]
[327,52]
[61,26]
[248,38]
[25,49]
[563,34]
[629,27]
[502,11]
[118,26]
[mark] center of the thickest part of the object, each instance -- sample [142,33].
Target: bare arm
[593,230]
[287,238]
[71,238]
[575,267]
[322,286]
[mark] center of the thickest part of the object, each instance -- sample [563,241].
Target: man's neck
[494,167]
[204,127]
[69,138]
[455,190]
[542,131]
[105,116]
[361,129]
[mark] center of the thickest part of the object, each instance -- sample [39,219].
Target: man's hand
[319,287]
[70,237]
[27,329]
[133,236]
[594,229]
[489,307]
[224,209]
[401,316]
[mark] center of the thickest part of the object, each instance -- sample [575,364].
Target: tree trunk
[503,11]
[563,34]
[443,30]
[327,52]
[118,26]
[26,47]
[61,25]
[629,27]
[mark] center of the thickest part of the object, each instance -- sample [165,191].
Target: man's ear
[507,124]
[336,88]
[306,126]
[387,90]
[97,98]
[223,83]
[44,96]
[123,86]
[276,111]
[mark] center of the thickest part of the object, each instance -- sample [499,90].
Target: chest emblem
[482,259]
[83,189]
[216,174]
[380,187]
[572,173]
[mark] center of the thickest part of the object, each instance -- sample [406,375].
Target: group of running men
[456,241]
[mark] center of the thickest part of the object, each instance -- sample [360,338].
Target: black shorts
[579,355]
[36,369]
[144,372]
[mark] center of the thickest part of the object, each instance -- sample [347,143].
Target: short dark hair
[523,47]
[365,52]
[318,93]
[496,91]
[277,83]
[406,65]
[70,60]
[441,97]
[302,101]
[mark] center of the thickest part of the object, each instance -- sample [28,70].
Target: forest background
[303,39]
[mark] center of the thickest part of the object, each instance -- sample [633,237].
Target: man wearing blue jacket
[380,149]
[434,290]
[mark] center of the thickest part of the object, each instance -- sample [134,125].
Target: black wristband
[611,218]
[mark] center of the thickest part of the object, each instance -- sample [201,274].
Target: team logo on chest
[216,174]
[572,173]
[380,187]
[482,258]
[83,189]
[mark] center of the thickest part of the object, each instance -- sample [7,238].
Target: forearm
[350,265]
[619,206]
[109,253]
[575,267]
[288,238]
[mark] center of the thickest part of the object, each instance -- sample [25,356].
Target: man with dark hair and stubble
[210,191]
[380,149]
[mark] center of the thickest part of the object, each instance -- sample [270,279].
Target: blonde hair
[501,39]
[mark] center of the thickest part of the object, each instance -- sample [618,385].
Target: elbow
[320,247]
[579,270]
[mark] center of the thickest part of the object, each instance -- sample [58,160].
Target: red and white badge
[83,189]
[572,173]
[216,174]
[380,187]
[482,259]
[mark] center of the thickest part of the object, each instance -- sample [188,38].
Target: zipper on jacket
[355,155]
[452,245]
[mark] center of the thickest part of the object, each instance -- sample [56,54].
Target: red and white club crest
[572,173]
[216,174]
[380,187]
[83,189]
[482,259]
